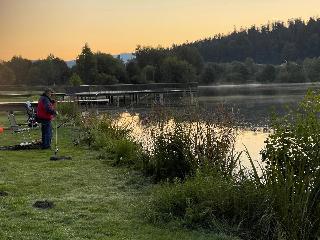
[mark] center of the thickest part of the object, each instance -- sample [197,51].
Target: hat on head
[49,90]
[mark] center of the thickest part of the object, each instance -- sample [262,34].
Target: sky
[36,28]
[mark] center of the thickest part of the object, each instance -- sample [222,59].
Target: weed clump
[172,156]
[186,143]
[292,173]
[113,141]
[209,200]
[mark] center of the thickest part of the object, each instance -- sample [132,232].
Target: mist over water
[254,103]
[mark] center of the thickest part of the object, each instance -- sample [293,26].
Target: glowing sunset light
[35,28]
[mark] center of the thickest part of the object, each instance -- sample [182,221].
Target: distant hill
[123,56]
[273,43]
[71,63]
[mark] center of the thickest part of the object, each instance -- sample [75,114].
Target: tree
[295,72]
[133,71]
[20,67]
[178,71]
[108,65]
[7,76]
[237,73]
[150,56]
[267,74]
[59,71]
[211,73]
[189,54]
[100,68]
[75,80]
[148,73]
[105,79]
[250,65]
[86,65]
[271,43]
[289,52]
[49,71]
[290,72]
[312,69]
[35,76]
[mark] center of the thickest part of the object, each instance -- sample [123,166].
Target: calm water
[252,103]
[255,102]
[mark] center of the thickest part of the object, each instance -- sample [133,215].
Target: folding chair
[14,126]
[22,129]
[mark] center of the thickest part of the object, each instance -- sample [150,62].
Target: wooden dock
[115,96]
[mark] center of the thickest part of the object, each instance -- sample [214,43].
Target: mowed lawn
[92,199]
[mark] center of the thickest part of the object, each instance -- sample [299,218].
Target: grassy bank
[281,203]
[189,184]
[92,199]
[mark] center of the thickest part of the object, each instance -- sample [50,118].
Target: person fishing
[45,113]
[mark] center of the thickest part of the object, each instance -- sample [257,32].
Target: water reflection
[252,140]
[252,103]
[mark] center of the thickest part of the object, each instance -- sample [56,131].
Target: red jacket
[45,109]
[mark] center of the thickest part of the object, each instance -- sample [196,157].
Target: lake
[252,103]
[255,102]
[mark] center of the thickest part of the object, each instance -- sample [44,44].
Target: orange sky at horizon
[36,28]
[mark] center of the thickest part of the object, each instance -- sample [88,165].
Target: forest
[275,52]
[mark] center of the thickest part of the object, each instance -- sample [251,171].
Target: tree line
[276,52]
[101,69]
[273,43]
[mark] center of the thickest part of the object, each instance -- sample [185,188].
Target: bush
[125,152]
[282,203]
[68,109]
[292,174]
[113,142]
[172,155]
[101,131]
[75,80]
[210,201]
[182,145]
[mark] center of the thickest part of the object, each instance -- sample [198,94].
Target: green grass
[93,200]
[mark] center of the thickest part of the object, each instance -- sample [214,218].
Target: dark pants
[46,130]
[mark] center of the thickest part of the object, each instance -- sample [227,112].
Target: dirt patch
[57,158]
[22,146]
[3,194]
[43,204]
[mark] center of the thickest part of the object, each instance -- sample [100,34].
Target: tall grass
[202,182]
[281,203]
[114,142]
[68,109]
[210,200]
[185,143]
[292,174]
